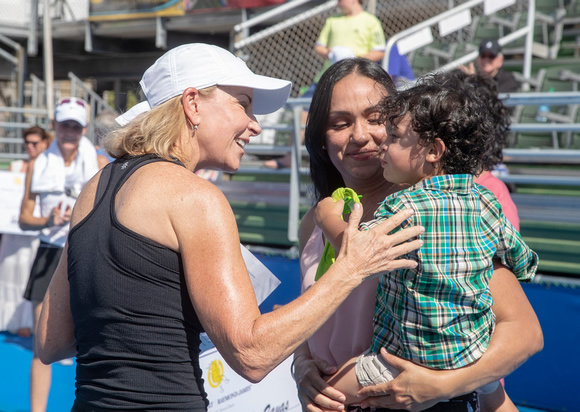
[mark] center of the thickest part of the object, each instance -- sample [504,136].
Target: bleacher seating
[546,211]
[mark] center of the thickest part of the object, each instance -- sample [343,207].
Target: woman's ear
[190,100]
[436,150]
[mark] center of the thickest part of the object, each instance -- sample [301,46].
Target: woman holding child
[343,136]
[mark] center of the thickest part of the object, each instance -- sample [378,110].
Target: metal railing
[298,151]
[421,35]
[16,120]
[242,40]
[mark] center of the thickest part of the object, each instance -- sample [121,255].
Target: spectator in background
[490,62]
[36,140]
[352,33]
[55,178]
[17,251]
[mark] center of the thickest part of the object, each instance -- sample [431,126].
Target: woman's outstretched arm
[222,294]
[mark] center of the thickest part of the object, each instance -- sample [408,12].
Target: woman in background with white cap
[154,256]
[55,178]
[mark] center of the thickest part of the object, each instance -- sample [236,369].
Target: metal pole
[21,55]
[294,204]
[527,69]
[32,37]
[48,62]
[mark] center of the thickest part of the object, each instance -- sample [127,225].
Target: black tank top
[136,330]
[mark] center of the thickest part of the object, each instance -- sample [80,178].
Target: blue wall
[551,379]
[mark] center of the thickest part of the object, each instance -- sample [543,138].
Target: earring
[195,127]
[323,147]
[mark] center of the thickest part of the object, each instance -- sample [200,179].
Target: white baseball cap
[202,65]
[71,108]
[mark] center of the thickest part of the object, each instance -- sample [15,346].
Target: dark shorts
[463,403]
[43,268]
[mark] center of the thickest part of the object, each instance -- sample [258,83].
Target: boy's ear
[436,150]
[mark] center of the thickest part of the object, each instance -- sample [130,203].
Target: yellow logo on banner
[215,373]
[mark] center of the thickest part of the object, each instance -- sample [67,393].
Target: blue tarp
[549,380]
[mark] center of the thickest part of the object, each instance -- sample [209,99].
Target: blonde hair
[157,131]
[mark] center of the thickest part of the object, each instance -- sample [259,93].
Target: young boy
[439,134]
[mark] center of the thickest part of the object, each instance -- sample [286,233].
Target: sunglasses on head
[69,100]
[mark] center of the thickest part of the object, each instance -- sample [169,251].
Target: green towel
[350,198]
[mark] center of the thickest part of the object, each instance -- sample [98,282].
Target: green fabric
[350,198]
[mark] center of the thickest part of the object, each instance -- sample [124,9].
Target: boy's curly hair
[487,91]
[453,108]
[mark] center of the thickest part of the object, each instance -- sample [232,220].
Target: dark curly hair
[453,108]
[487,91]
[325,176]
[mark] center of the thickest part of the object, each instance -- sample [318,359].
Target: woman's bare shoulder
[84,203]
[184,196]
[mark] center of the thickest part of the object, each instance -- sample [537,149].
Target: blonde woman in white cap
[154,255]
[55,178]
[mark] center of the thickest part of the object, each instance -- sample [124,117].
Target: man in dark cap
[490,62]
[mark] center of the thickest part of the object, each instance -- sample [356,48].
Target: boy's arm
[328,216]
[345,381]
[510,246]
[516,254]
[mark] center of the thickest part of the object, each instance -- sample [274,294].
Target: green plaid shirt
[439,314]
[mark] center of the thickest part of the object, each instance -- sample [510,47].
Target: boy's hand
[328,208]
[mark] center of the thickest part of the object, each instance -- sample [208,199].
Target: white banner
[263,281]
[415,40]
[492,6]
[11,193]
[455,22]
[228,391]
